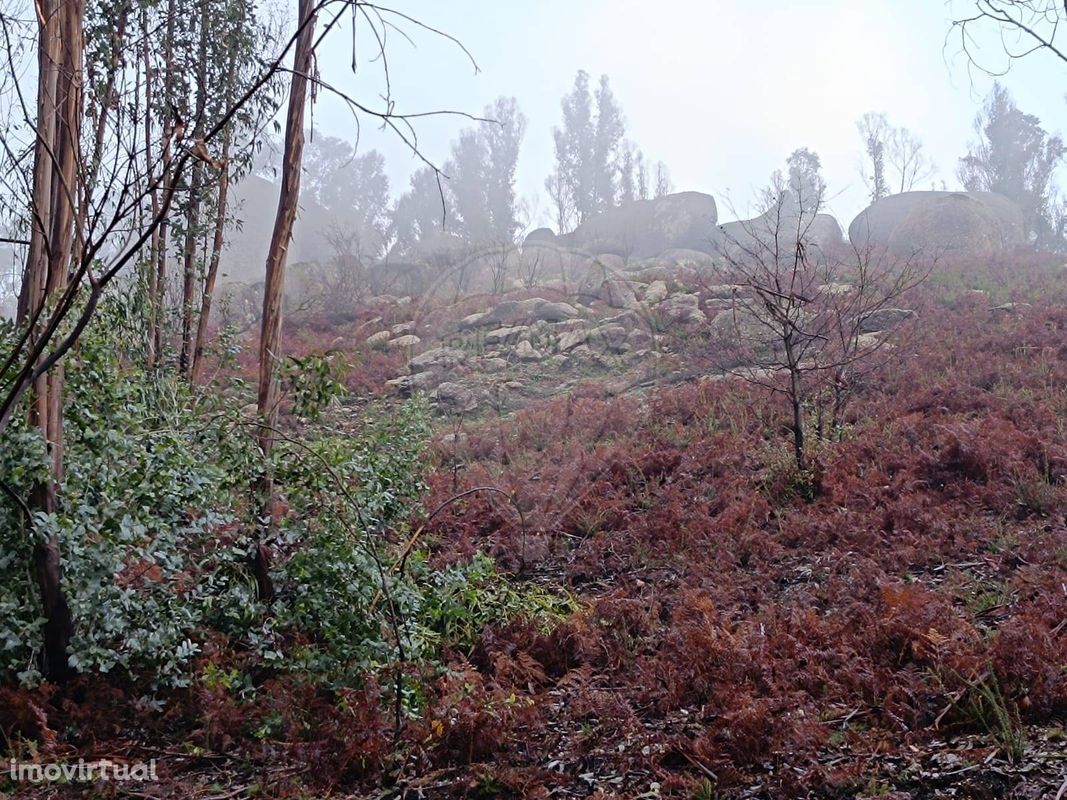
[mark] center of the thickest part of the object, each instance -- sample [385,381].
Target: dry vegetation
[889,623]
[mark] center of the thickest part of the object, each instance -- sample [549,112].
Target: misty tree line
[473,196]
[1012,155]
[598,167]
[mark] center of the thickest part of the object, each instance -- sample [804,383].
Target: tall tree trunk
[192,227]
[219,237]
[109,99]
[796,403]
[213,266]
[271,327]
[192,214]
[154,287]
[53,206]
[168,180]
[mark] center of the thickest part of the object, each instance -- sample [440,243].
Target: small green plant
[981,703]
[782,482]
[489,785]
[874,787]
[1035,497]
[987,706]
[705,790]
[987,596]
[314,381]
[463,599]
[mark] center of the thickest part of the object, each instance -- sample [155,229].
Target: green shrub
[156,524]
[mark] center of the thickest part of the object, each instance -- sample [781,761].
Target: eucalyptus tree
[1014,156]
[587,146]
[93,210]
[481,174]
[874,131]
[596,166]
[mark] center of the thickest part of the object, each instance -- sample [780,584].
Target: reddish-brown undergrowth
[738,627]
[740,624]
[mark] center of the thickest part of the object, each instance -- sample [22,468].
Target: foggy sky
[722,91]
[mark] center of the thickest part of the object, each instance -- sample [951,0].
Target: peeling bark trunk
[54,229]
[271,328]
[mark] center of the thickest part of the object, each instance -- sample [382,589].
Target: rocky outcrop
[539,236]
[472,321]
[404,342]
[516,312]
[406,385]
[681,309]
[572,339]
[379,339]
[681,258]
[610,337]
[655,292]
[548,311]
[757,235]
[825,231]
[547,259]
[618,293]
[526,352]
[884,319]
[644,228]
[939,223]
[454,398]
[506,335]
[436,359]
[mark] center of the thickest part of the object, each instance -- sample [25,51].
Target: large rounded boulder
[760,235]
[939,223]
[539,236]
[825,231]
[645,228]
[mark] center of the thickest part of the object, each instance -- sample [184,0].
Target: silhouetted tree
[503,136]
[587,149]
[420,212]
[572,182]
[1015,157]
[798,317]
[641,179]
[628,157]
[610,127]
[874,130]
[353,188]
[664,184]
[1024,27]
[896,160]
[907,159]
[562,201]
[482,174]
[804,176]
